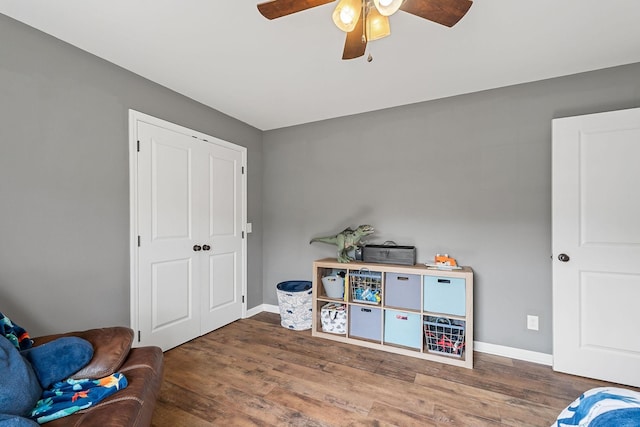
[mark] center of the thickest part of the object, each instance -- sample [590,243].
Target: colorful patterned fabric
[602,407]
[14,333]
[70,396]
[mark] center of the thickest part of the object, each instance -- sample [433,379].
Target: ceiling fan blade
[356,44]
[278,8]
[445,12]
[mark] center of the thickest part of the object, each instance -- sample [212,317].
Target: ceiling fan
[368,20]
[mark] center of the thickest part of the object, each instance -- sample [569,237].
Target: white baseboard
[481,347]
[513,353]
[269,308]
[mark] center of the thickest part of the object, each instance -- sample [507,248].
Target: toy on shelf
[347,240]
[366,286]
[444,262]
[367,295]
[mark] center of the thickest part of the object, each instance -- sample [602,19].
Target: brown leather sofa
[112,352]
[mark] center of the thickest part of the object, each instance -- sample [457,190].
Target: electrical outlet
[532,322]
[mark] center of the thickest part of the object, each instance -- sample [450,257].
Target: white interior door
[221,301]
[188,268]
[596,224]
[169,277]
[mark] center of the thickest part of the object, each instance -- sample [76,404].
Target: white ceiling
[272,74]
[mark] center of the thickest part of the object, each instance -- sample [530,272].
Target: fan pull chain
[364,21]
[365,8]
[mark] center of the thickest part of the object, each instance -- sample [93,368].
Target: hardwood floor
[254,372]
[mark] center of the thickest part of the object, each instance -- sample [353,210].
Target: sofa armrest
[130,407]
[110,348]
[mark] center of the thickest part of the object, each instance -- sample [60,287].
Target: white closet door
[169,273]
[190,217]
[221,301]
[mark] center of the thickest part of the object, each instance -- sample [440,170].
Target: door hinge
[243,234]
[138,240]
[139,336]
[243,299]
[138,146]
[243,170]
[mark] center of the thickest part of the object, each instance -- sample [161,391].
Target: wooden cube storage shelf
[449,349]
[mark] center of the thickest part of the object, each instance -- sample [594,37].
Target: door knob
[564,257]
[206,247]
[197,248]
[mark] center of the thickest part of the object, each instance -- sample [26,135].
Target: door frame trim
[134,118]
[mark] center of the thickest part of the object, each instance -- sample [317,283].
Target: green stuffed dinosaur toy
[346,240]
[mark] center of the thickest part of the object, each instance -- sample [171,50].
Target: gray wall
[64,184]
[468,175]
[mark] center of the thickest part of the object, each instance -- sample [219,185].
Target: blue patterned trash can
[295,300]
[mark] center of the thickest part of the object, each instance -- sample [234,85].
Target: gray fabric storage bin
[402,290]
[365,322]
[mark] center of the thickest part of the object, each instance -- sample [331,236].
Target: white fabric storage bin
[333,317]
[333,286]
[295,300]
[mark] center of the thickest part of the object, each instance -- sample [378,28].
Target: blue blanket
[602,407]
[70,396]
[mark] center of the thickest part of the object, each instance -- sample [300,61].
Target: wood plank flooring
[255,372]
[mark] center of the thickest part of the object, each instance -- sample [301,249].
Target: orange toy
[446,260]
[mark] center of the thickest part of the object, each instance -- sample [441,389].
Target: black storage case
[389,254]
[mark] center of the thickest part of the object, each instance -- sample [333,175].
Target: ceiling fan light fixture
[387,7]
[377,25]
[346,14]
